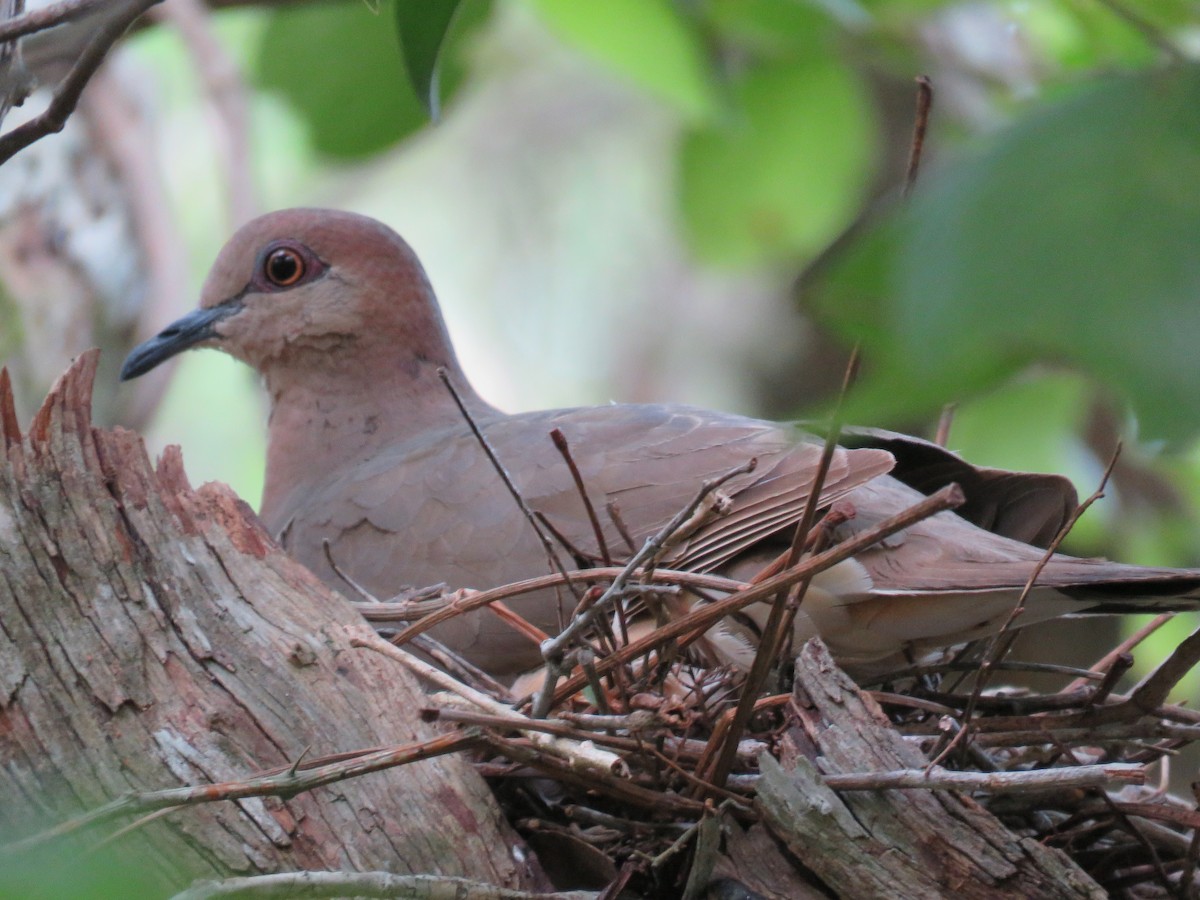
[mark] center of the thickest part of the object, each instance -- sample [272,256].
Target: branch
[66,95]
[288,885]
[286,783]
[47,17]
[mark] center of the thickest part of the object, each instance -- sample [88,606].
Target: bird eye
[284,267]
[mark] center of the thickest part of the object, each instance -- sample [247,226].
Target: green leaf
[1072,236]
[646,41]
[783,174]
[422,26]
[339,66]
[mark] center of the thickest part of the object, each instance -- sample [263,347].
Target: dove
[372,464]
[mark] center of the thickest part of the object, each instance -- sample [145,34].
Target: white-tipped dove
[368,451]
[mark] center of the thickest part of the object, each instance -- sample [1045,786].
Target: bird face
[296,283]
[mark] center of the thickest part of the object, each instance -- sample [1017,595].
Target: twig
[937,778]
[941,437]
[47,17]
[614,514]
[1146,28]
[284,783]
[472,600]
[552,650]
[1105,663]
[579,755]
[997,646]
[700,620]
[920,125]
[551,554]
[438,651]
[782,616]
[288,885]
[66,95]
[560,443]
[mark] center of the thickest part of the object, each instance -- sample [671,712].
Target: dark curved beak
[192,329]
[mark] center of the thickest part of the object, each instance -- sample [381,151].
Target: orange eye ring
[283,267]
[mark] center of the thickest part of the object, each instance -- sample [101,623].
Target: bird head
[309,288]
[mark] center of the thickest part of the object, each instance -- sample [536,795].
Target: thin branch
[998,645]
[47,17]
[700,620]
[579,755]
[66,95]
[937,778]
[312,885]
[552,651]
[551,554]
[283,783]
[1105,663]
[472,600]
[782,616]
[560,443]
[920,126]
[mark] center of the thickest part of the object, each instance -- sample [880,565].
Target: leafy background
[699,201]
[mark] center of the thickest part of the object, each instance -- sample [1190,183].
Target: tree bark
[153,636]
[890,843]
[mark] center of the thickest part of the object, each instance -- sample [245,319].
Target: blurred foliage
[1071,235]
[56,872]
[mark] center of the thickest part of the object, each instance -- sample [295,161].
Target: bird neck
[331,421]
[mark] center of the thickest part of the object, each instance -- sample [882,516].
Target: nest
[634,768]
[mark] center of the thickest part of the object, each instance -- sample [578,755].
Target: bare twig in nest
[1106,662]
[47,17]
[937,778]
[560,443]
[700,620]
[576,754]
[66,95]
[551,554]
[364,884]
[1000,643]
[553,650]
[469,601]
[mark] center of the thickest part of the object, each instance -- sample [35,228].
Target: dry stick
[937,778]
[614,514]
[783,611]
[436,649]
[390,612]
[47,17]
[66,95]
[292,885]
[560,443]
[1188,878]
[998,645]
[552,650]
[1106,662]
[920,125]
[551,554]
[285,783]
[1120,665]
[619,788]
[578,755]
[948,497]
